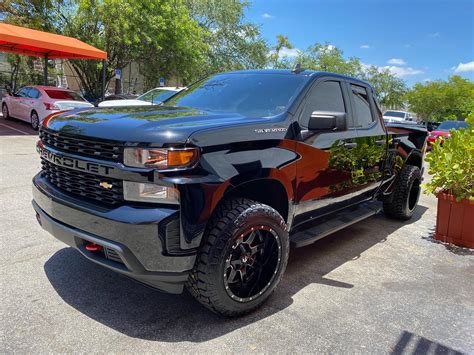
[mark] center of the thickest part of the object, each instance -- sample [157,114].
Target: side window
[362,112]
[326,96]
[33,93]
[23,92]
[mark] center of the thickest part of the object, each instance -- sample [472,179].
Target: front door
[17,106]
[325,180]
[26,103]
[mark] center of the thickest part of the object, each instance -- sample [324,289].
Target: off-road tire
[404,198]
[231,218]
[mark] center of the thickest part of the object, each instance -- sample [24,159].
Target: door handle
[350,145]
[381,142]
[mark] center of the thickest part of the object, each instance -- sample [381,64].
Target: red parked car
[442,132]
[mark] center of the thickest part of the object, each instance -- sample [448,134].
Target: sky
[419,40]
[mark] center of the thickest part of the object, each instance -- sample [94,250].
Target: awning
[20,40]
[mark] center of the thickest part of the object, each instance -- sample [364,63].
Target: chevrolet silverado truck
[208,190]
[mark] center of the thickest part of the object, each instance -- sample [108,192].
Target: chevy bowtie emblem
[105,185]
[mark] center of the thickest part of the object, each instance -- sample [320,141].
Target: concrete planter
[455,221]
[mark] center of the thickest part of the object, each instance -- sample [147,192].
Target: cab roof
[304,72]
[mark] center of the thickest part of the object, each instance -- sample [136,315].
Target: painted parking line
[15,129]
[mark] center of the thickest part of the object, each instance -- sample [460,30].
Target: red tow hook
[94,247]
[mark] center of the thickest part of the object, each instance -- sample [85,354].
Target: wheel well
[267,191]
[34,112]
[415,159]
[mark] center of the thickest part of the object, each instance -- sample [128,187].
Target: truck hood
[153,124]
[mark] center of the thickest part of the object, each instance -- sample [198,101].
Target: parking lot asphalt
[379,286]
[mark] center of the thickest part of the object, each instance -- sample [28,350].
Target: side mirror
[327,121]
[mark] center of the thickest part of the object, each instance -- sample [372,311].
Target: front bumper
[129,234]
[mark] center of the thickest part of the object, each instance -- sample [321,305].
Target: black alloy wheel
[252,264]
[243,256]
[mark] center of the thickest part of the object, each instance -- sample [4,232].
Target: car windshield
[157,96]
[63,95]
[249,94]
[447,125]
[395,114]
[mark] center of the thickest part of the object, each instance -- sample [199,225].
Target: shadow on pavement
[138,311]
[458,250]
[421,346]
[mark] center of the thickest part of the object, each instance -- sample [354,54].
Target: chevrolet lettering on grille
[72,163]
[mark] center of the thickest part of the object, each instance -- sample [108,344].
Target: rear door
[35,103]
[324,169]
[371,140]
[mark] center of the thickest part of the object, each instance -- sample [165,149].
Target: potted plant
[452,168]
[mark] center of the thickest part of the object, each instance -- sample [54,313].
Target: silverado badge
[105,185]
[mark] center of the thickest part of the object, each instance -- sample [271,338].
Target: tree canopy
[190,39]
[329,58]
[390,89]
[442,100]
[233,43]
[274,57]
[184,39]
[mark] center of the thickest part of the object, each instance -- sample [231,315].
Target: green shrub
[452,165]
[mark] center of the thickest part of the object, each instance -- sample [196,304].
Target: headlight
[161,158]
[135,191]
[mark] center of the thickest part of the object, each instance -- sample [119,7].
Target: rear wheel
[244,254]
[5,112]
[35,123]
[404,199]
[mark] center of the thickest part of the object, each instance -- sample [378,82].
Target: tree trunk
[118,86]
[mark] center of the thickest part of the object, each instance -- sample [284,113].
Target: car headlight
[161,158]
[142,192]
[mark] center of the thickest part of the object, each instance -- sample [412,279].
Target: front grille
[82,184]
[85,147]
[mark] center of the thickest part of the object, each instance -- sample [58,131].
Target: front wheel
[35,122]
[243,257]
[5,112]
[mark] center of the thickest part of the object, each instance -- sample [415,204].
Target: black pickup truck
[209,189]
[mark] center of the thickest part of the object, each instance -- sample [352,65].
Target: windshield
[395,114]
[157,96]
[63,95]
[249,94]
[447,125]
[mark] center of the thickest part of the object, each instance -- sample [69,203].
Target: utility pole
[104,71]
[45,69]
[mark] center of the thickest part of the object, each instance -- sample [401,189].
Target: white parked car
[34,103]
[152,97]
[393,116]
